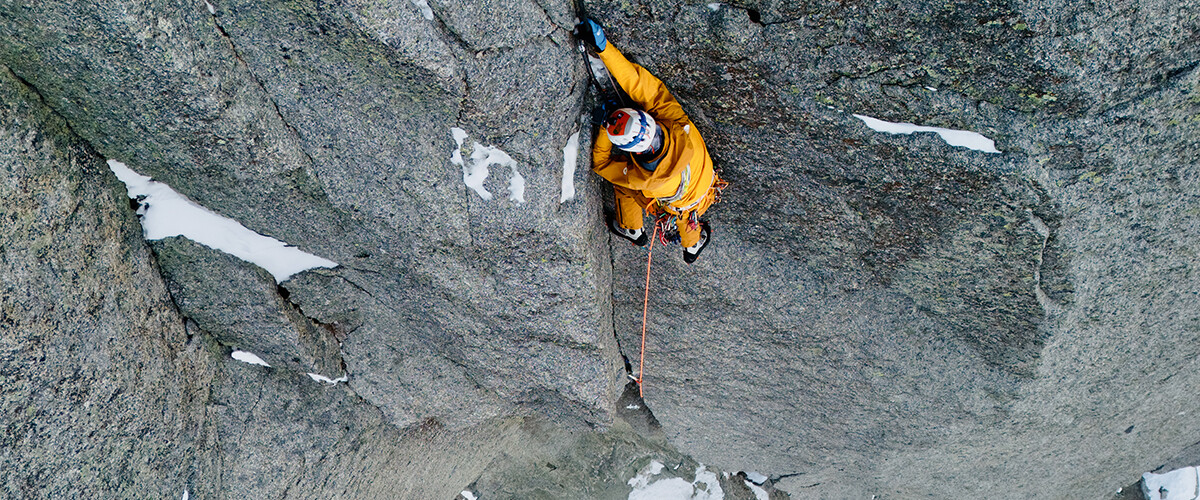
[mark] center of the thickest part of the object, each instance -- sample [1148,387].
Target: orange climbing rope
[662,224]
[645,306]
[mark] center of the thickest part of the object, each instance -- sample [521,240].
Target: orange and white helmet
[631,129]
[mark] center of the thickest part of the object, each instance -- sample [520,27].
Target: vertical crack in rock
[336,331]
[266,95]
[444,348]
[550,18]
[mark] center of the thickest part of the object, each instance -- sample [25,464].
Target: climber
[660,162]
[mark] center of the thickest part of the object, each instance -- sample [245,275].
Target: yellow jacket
[685,175]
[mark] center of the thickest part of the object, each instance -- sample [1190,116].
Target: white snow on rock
[211,10]
[474,175]
[332,381]
[165,213]
[426,12]
[705,487]
[570,161]
[477,172]
[714,6]
[960,138]
[516,186]
[248,357]
[468,495]
[759,492]
[642,479]
[755,477]
[185,494]
[459,135]
[1179,484]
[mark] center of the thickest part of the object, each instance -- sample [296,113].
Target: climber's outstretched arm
[646,90]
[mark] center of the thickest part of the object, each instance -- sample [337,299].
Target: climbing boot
[636,236]
[690,254]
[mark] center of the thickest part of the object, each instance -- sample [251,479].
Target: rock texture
[251,316]
[102,390]
[877,315]
[918,305]
[339,142]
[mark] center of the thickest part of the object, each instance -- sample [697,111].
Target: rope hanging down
[660,229]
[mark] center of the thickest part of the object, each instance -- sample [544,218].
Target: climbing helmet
[631,130]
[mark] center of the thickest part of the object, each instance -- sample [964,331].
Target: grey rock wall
[354,105]
[118,384]
[888,315]
[877,315]
[251,316]
[102,390]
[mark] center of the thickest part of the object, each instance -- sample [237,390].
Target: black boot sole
[706,235]
[641,241]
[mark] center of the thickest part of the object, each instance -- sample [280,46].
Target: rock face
[877,315]
[256,319]
[109,391]
[102,390]
[354,121]
[879,312]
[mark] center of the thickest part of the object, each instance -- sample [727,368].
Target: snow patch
[248,357]
[960,138]
[1179,484]
[705,487]
[755,477]
[642,479]
[459,136]
[332,381]
[211,10]
[759,492]
[474,175]
[570,161]
[468,495]
[477,172]
[185,494]
[426,12]
[516,186]
[165,213]
[715,6]
[633,407]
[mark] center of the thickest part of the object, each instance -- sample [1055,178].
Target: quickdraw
[665,228]
[719,186]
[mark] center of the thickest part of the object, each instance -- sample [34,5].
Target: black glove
[604,108]
[591,33]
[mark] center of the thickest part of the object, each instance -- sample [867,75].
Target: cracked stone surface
[239,305]
[877,314]
[354,124]
[913,303]
[101,388]
[285,435]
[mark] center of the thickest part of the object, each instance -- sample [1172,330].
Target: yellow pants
[632,206]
